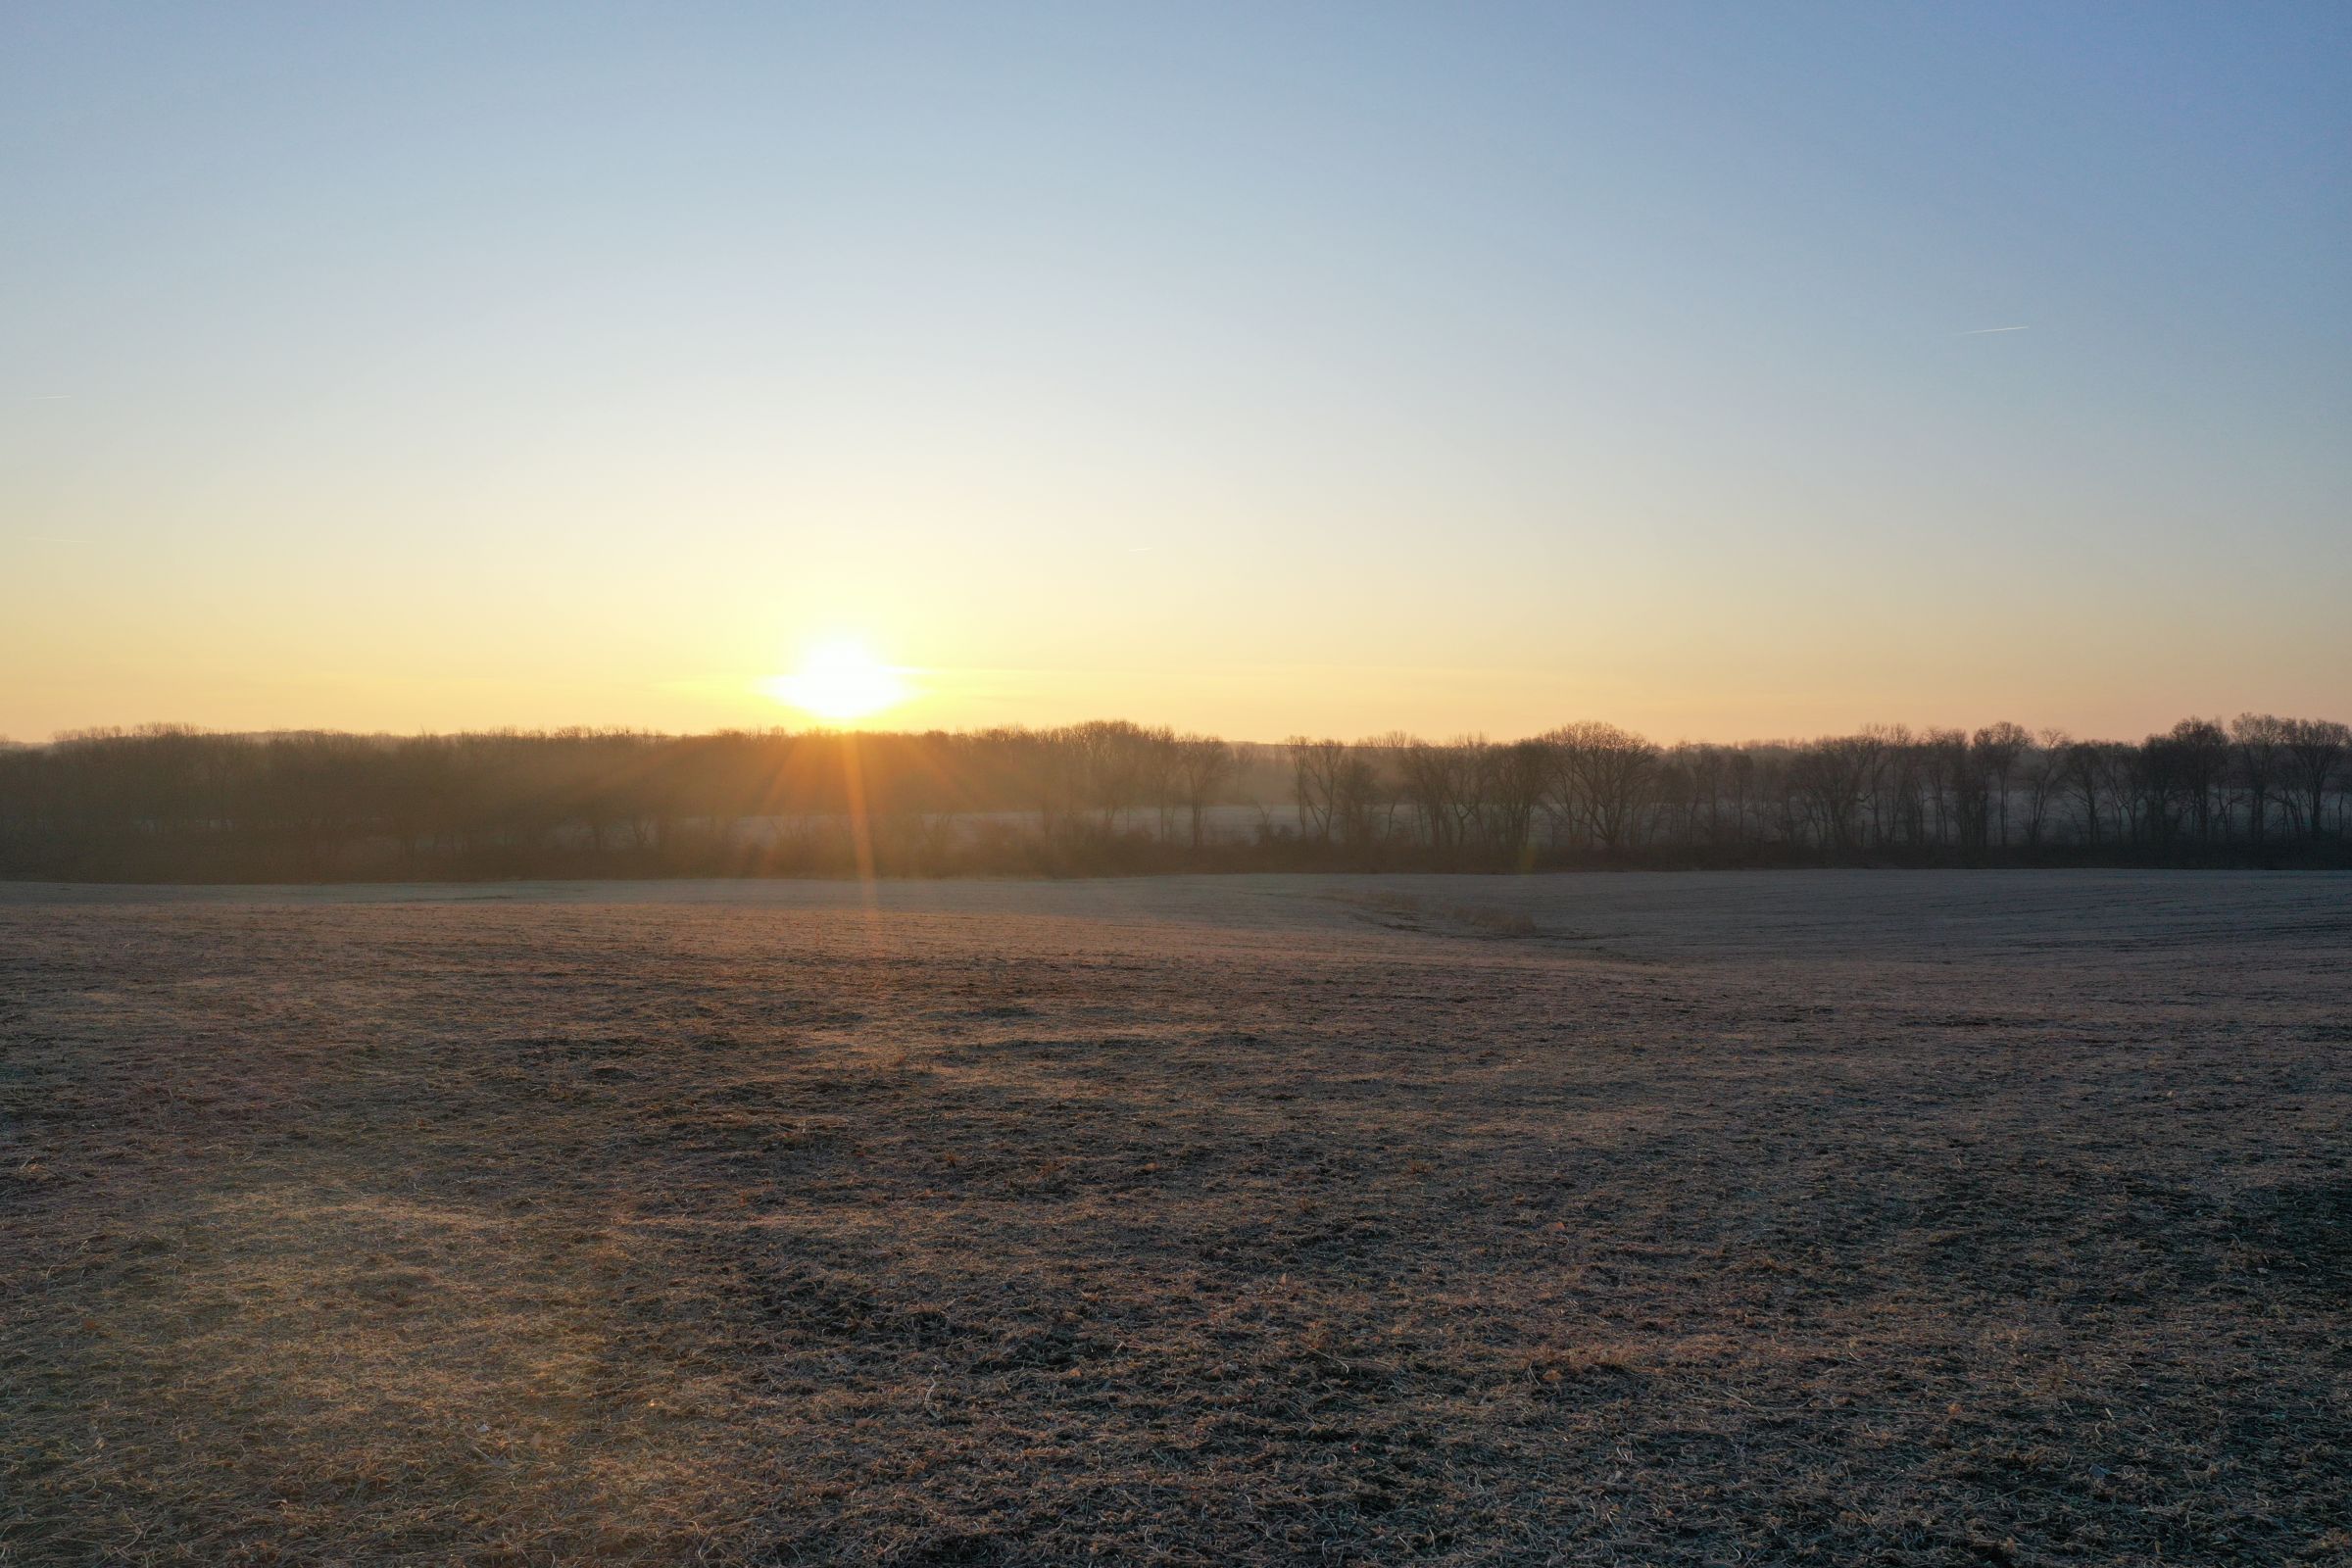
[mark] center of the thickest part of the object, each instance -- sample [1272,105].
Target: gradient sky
[1260,368]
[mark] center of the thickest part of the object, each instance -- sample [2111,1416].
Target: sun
[840,680]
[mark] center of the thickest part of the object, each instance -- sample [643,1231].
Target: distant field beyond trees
[170,802]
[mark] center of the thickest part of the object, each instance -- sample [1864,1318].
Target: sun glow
[840,680]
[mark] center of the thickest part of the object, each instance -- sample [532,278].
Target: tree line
[174,803]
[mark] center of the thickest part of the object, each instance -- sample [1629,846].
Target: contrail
[1981,331]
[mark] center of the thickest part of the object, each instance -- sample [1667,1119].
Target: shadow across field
[1906,1219]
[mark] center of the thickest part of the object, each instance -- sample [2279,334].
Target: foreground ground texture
[1845,1218]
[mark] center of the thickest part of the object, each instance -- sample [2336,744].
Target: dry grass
[1182,1223]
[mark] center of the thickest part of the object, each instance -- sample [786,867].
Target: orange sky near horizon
[1652,674]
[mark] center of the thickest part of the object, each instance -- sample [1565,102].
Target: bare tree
[1111,758]
[1357,796]
[1316,767]
[2089,770]
[1834,777]
[2045,780]
[1943,767]
[1202,767]
[1511,782]
[1893,784]
[2260,741]
[2315,750]
[2198,755]
[1995,750]
[1429,776]
[1157,769]
[1600,775]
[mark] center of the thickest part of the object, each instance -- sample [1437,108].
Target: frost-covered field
[1872,1217]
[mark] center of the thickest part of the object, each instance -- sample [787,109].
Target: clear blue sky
[1258,368]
